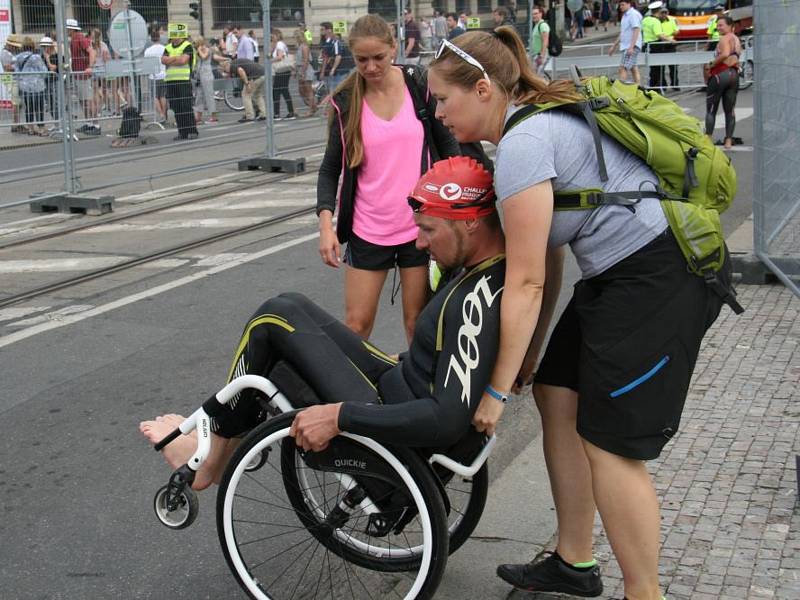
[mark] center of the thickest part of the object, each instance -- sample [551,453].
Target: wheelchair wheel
[233,99]
[467,498]
[300,525]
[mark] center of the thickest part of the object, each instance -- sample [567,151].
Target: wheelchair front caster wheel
[186,507]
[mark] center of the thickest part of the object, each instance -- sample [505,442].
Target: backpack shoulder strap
[417,87]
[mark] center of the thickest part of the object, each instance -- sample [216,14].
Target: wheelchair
[357,520]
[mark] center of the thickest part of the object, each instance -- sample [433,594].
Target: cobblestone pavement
[728,486]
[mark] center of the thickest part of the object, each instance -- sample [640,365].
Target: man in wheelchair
[427,398]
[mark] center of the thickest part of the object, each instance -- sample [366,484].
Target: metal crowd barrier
[688,59]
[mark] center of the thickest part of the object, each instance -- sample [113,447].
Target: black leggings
[34,107]
[334,361]
[723,86]
[280,87]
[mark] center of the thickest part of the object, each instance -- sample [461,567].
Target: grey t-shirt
[559,146]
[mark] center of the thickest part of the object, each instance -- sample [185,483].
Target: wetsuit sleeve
[469,350]
[330,169]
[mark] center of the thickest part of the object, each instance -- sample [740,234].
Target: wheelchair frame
[178,496]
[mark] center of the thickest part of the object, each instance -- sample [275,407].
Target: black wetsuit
[427,399]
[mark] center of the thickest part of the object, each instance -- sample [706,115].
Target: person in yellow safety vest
[712,32]
[179,58]
[652,36]
[670,28]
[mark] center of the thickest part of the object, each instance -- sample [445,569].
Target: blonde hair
[199,41]
[300,37]
[368,26]
[503,55]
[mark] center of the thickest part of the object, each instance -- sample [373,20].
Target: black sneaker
[552,574]
[290,117]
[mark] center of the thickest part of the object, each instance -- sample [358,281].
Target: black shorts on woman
[627,343]
[361,254]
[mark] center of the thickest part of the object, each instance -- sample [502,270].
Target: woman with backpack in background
[33,73]
[305,72]
[375,134]
[612,382]
[723,80]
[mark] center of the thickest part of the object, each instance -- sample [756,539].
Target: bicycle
[355,518]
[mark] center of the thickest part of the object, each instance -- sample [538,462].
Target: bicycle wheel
[290,534]
[746,74]
[234,100]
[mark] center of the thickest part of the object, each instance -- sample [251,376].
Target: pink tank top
[391,167]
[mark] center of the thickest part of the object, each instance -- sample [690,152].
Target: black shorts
[161,89]
[627,342]
[361,254]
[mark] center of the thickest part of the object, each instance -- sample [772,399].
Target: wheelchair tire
[262,514]
[234,100]
[461,523]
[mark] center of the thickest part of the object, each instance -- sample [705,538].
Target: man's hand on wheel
[314,427]
[488,414]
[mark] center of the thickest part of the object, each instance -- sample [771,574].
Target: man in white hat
[82,59]
[8,54]
[47,45]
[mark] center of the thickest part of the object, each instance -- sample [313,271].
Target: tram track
[236,186]
[87,163]
[151,257]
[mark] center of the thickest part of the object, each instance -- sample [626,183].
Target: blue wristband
[495,394]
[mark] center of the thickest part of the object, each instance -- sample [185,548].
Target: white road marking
[56,316]
[220,259]
[99,310]
[192,184]
[9,314]
[232,222]
[49,265]
[247,205]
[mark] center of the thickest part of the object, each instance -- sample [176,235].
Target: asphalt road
[80,368]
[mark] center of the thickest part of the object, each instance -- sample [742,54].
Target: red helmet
[456,188]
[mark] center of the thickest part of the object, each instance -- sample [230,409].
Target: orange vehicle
[693,16]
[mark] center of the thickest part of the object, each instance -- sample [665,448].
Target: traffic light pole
[270,162]
[196,12]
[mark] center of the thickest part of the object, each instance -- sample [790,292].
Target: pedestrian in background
[412,38]
[670,28]
[723,82]
[49,54]
[99,80]
[203,75]
[453,26]
[540,39]
[629,42]
[252,76]
[376,151]
[256,54]
[32,74]
[425,34]
[305,72]
[246,48]
[653,42]
[281,74]
[157,79]
[179,58]
[232,41]
[605,14]
[80,78]
[439,29]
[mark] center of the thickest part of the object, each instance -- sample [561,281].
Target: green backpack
[696,181]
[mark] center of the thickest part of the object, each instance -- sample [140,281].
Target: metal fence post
[270,162]
[70,179]
[69,200]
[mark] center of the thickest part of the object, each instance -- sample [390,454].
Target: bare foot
[178,451]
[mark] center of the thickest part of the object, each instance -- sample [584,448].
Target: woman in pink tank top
[376,152]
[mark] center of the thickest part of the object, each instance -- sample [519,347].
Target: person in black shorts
[427,397]
[614,377]
[367,172]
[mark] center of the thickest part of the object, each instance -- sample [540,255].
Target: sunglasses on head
[448,45]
